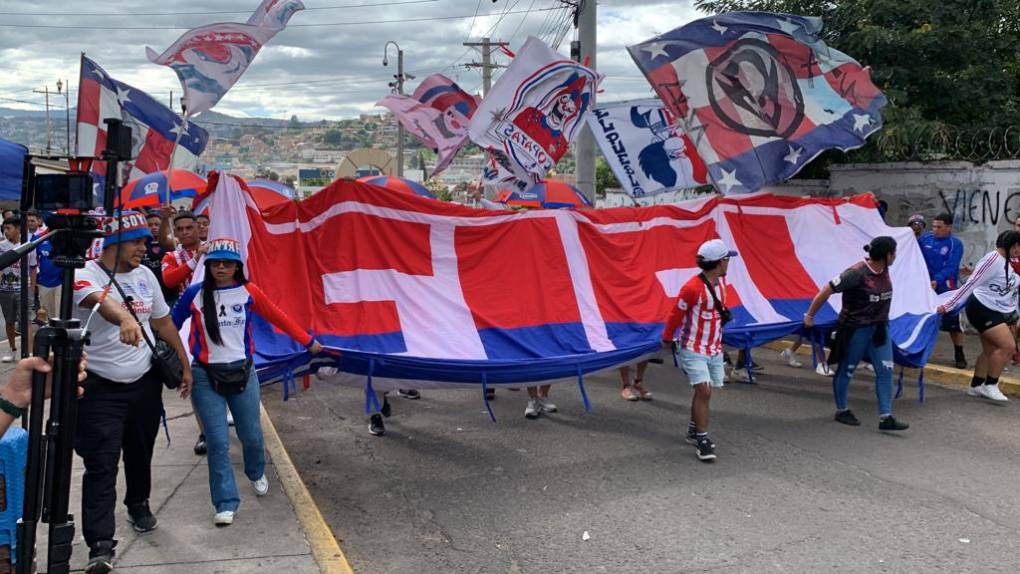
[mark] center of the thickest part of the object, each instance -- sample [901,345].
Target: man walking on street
[942,254]
[700,313]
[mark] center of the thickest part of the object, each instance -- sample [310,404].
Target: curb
[325,548]
[937,374]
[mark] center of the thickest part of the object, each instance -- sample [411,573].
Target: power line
[362,23]
[108,14]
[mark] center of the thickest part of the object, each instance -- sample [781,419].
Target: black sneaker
[847,417]
[692,437]
[655,361]
[961,361]
[141,517]
[376,426]
[705,450]
[200,446]
[101,557]
[386,410]
[889,423]
[409,394]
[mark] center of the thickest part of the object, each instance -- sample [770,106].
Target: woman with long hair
[990,295]
[221,344]
[862,329]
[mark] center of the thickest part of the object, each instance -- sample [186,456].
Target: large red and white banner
[409,287]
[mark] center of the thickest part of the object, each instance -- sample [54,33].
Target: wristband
[10,408]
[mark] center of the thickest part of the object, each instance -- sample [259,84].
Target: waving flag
[154,127]
[646,147]
[425,297]
[535,109]
[760,94]
[209,60]
[437,114]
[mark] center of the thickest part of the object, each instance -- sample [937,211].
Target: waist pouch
[228,379]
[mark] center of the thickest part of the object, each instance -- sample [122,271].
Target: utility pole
[584,170]
[398,86]
[49,141]
[486,64]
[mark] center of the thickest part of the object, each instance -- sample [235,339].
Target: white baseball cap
[714,250]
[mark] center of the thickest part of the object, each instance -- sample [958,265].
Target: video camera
[66,200]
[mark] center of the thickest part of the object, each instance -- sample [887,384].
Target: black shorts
[951,323]
[982,318]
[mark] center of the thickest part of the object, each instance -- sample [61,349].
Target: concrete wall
[985,199]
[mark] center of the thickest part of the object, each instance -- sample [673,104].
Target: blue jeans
[881,357]
[212,410]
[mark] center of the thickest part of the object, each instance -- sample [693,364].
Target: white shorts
[702,368]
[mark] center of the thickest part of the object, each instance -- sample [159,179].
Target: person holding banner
[862,329]
[990,294]
[220,309]
[700,313]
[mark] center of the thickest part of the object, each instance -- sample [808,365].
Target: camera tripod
[50,455]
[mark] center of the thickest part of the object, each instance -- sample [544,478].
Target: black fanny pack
[228,379]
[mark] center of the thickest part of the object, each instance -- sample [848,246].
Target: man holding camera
[700,314]
[122,405]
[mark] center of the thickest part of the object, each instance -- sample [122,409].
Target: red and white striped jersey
[697,317]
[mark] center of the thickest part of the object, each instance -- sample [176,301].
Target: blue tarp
[12,164]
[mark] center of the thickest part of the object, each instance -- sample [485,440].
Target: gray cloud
[313,72]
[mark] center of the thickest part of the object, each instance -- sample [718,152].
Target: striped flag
[154,127]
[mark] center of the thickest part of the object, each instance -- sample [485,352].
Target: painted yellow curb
[325,548]
[938,374]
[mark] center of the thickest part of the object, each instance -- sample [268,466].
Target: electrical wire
[115,14]
[320,25]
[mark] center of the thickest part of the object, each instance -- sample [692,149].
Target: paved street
[448,491]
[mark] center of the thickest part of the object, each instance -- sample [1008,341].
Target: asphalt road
[448,491]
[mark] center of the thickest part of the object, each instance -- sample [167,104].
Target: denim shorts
[702,368]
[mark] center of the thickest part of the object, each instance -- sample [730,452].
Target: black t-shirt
[867,296]
[153,259]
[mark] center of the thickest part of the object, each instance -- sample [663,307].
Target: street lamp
[398,87]
[67,113]
[46,90]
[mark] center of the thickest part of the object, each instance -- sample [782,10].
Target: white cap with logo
[714,250]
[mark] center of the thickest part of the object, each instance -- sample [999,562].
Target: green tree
[294,122]
[604,178]
[953,62]
[333,137]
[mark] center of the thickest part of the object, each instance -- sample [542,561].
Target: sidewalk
[267,535]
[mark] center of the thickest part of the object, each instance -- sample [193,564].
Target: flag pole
[173,152]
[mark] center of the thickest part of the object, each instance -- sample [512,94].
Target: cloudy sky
[326,64]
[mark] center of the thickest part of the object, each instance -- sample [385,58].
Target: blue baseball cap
[129,226]
[224,248]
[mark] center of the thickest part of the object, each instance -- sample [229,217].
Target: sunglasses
[222,263]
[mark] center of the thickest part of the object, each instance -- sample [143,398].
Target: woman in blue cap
[221,344]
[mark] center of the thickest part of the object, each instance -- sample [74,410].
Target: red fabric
[697,317]
[265,307]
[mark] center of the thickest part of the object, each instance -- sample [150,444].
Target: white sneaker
[230,419]
[260,486]
[8,359]
[533,409]
[978,391]
[869,367]
[823,370]
[225,518]
[545,406]
[993,393]
[790,359]
[739,375]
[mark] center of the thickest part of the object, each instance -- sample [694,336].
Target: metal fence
[934,142]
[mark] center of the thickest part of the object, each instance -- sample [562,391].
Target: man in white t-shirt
[122,405]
